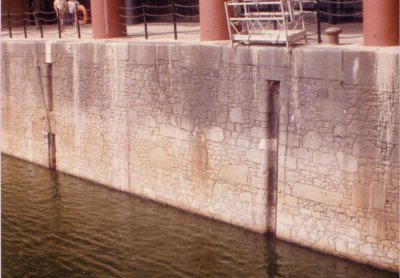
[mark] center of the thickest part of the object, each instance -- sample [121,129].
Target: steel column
[381,22]
[106,18]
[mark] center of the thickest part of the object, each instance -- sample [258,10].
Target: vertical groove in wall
[272,181]
[51,137]
[48,104]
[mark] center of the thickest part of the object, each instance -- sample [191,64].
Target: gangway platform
[277,21]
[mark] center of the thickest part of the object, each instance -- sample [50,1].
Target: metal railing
[172,13]
[23,24]
[34,25]
[316,12]
[332,11]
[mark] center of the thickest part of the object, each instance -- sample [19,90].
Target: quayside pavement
[163,32]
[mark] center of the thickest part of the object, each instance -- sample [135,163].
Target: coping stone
[387,69]
[318,63]
[167,52]
[142,54]
[257,56]
[359,68]
[200,56]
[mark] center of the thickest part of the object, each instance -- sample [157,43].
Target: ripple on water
[54,225]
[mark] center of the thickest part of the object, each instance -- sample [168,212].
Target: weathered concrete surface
[195,126]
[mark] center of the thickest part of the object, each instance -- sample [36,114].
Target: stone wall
[303,143]
[339,155]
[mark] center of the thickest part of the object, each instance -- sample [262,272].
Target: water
[54,225]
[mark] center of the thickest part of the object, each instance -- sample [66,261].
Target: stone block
[262,197]
[187,123]
[133,116]
[322,158]
[177,108]
[387,69]
[142,54]
[258,182]
[93,52]
[150,122]
[168,52]
[340,130]
[245,197]
[364,148]
[293,140]
[283,230]
[354,233]
[362,195]
[285,218]
[289,162]
[323,92]
[226,54]
[379,193]
[25,49]
[359,67]
[290,201]
[291,176]
[119,50]
[242,56]
[268,144]
[258,56]
[259,132]
[307,63]
[302,234]
[322,170]
[48,52]
[317,194]
[312,140]
[236,115]
[333,111]
[243,142]
[393,253]
[174,132]
[258,116]
[200,56]
[395,155]
[347,163]
[215,134]
[256,156]
[272,56]
[93,152]
[235,173]
[8,47]
[301,153]
[340,245]
[367,249]
[159,158]
[68,48]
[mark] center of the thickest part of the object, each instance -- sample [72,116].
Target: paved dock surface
[164,32]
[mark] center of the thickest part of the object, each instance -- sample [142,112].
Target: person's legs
[37,18]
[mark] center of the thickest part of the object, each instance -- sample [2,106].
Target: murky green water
[54,225]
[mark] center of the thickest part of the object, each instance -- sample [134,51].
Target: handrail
[170,13]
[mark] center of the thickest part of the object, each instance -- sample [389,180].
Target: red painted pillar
[106,19]
[213,24]
[381,22]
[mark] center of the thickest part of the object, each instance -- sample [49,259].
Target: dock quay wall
[301,142]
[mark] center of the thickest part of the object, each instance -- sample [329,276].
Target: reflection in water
[54,225]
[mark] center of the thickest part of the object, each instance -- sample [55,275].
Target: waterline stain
[54,225]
